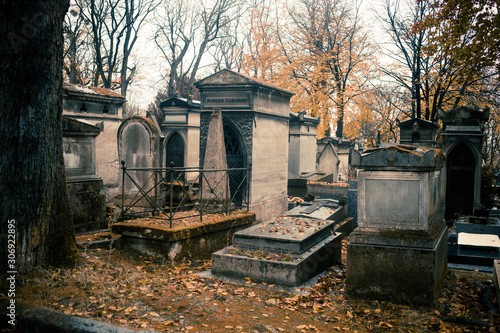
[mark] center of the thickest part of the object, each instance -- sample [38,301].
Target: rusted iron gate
[167,192]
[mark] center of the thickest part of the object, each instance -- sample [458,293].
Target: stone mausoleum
[180,127]
[301,145]
[255,119]
[104,109]
[462,141]
[418,132]
[333,157]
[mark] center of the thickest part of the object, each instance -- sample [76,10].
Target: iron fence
[164,192]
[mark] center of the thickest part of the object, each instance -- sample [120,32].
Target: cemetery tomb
[181,129]
[287,250]
[418,132]
[474,244]
[398,252]
[255,118]
[85,188]
[302,145]
[102,108]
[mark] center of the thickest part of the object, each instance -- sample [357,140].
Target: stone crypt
[399,250]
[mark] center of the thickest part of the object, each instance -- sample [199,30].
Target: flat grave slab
[285,234]
[478,240]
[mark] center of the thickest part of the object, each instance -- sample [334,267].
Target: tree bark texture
[33,190]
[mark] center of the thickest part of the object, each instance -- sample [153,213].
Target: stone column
[399,250]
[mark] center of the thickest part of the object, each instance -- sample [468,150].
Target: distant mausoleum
[333,157]
[302,145]
[181,129]
[462,138]
[418,132]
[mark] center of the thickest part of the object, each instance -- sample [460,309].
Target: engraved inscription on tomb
[227,101]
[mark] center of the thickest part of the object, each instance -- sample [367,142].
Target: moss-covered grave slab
[188,238]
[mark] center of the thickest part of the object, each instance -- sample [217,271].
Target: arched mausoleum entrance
[175,151]
[460,173]
[236,158]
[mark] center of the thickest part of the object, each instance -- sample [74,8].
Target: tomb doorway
[460,171]
[235,156]
[175,153]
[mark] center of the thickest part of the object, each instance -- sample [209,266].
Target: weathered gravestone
[398,251]
[139,147]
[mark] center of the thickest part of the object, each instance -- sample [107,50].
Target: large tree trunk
[33,189]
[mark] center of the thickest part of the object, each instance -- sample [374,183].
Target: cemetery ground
[127,289]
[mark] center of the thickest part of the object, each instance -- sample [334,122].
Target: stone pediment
[417,122]
[180,102]
[399,157]
[227,77]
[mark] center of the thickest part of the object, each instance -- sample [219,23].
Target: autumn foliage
[316,49]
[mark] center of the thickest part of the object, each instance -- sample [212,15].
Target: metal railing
[164,192]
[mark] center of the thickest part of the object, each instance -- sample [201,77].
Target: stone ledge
[36,320]
[182,233]
[412,238]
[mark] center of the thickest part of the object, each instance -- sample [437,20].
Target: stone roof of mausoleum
[230,78]
[80,91]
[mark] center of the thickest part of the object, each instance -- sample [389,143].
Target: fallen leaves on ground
[134,291]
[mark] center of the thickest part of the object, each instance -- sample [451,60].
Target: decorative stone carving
[399,157]
[242,121]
